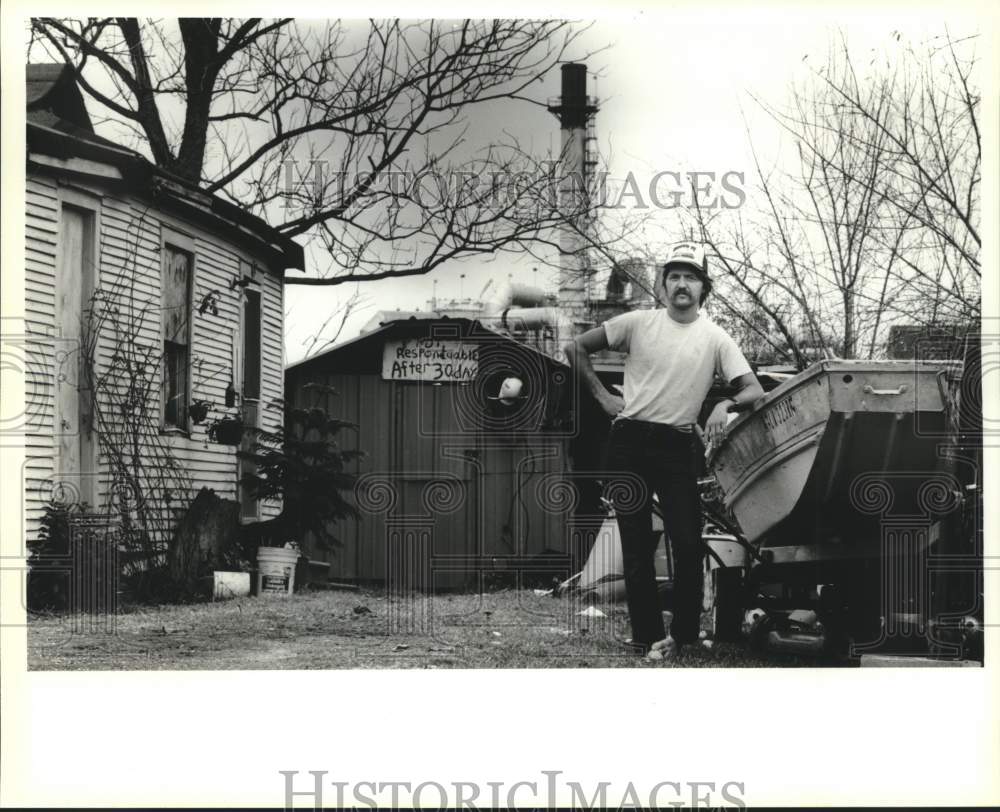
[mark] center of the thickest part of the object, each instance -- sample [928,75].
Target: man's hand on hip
[612,405]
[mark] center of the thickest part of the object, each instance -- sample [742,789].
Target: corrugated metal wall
[480,501]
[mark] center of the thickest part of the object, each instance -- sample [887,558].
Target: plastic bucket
[276,570]
[230,585]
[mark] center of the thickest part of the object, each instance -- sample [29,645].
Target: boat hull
[811,462]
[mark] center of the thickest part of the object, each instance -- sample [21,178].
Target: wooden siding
[129,251]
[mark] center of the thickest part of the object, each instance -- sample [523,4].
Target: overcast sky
[676,95]
[674,92]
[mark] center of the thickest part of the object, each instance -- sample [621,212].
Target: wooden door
[436,482]
[74,463]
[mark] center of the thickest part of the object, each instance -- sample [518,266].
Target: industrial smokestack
[575,111]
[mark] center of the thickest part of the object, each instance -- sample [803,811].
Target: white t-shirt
[670,366]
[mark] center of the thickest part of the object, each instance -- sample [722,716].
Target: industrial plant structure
[527,313]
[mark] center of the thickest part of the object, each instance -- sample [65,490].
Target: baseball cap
[691,254]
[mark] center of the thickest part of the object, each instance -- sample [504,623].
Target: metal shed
[457,486]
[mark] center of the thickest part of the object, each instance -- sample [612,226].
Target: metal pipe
[513,294]
[534,318]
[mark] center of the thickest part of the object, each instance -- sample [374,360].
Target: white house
[153,309]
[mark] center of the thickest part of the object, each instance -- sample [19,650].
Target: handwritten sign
[429,359]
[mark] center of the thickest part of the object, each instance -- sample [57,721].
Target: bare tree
[349,134]
[329,331]
[878,222]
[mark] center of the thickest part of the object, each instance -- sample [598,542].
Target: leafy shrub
[70,564]
[303,464]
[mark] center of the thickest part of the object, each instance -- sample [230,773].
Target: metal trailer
[853,491]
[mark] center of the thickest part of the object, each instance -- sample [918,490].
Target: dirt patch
[330,630]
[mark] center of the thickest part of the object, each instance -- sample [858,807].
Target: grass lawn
[364,629]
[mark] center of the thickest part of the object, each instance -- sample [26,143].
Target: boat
[602,578]
[603,575]
[819,464]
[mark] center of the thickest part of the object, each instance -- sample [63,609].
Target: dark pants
[644,458]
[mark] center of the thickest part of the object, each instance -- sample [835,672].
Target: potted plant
[302,464]
[199,411]
[227,430]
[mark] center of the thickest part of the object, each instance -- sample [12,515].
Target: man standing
[674,353]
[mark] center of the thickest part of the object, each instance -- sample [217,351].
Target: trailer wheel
[832,609]
[759,632]
[727,603]
[849,608]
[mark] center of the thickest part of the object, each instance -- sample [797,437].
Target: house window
[176,319]
[251,344]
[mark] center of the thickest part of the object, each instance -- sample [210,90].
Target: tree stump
[206,539]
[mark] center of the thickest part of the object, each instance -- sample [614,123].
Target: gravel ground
[361,629]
